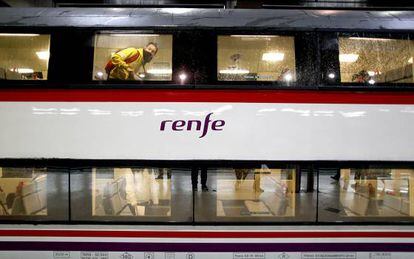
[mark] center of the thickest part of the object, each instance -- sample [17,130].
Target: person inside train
[126,63]
[194,178]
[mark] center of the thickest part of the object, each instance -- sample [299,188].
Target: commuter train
[298,122]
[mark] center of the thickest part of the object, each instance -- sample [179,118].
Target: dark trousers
[194,177]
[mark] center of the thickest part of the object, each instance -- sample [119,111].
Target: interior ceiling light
[159,71]
[19,34]
[43,55]
[255,36]
[22,70]
[410,60]
[348,58]
[372,39]
[234,71]
[273,56]
[133,35]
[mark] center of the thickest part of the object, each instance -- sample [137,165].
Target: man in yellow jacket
[125,63]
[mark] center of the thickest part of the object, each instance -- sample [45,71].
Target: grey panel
[144,18]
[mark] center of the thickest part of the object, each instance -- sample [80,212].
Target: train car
[199,133]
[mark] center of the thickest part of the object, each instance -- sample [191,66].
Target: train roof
[171,18]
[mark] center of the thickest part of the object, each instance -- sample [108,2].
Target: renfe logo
[180,125]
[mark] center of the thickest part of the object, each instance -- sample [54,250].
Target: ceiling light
[19,34]
[372,39]
[159,71]
[22,70]
[371,81]
[133,35]
[254,36]
[273,56]
[371,73]
[410,60]
[234,71]
[331,75]
[348,58]
[43,55]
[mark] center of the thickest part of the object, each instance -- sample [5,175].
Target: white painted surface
[253,131]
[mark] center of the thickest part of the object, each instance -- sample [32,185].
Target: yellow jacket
[124,62]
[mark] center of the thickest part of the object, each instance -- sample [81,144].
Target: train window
[24,56]
[136,57]
[376,60]
[352,194]
[132,194]
[256,58]
[261,194]
[33,194]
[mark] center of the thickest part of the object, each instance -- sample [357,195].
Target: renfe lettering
[197,125]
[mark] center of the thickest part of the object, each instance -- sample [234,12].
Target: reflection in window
[131,192]
[23,191]
[133,57]
[376,60]
[266,192]
[367,193]
[256,58]
[252,193]
[24,56]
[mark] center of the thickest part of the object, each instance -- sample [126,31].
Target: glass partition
[374,194]
[262,194]
[376,60]
[131,194]
[24,56]
[250,194]
[134,57]
[256,58]
[33,193]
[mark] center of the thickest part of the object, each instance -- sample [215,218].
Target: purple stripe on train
[207,247]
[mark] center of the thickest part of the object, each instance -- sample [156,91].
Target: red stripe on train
[201,234]
[180,95]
